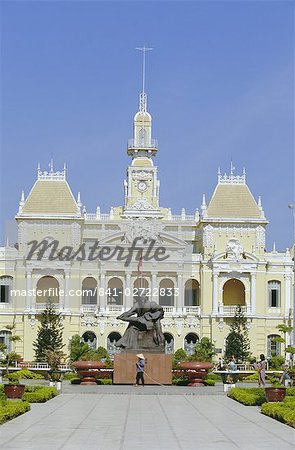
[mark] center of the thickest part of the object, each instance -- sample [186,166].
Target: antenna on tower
[143,97]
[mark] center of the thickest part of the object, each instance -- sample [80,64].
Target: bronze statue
[144,331]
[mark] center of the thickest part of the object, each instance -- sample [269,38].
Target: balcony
[144,144]
[115,309]
[5,306]
[168,309]
[229,311]
[192,310]
[88,309]
[40,307]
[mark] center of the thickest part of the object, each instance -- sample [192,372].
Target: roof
[50,197]
[233,201]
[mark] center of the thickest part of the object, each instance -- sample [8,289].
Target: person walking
[261,366]
[140,369]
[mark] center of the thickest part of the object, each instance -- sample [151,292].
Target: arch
[192,293]
[169,343]
[89,291]
[274,293]
[140,287]
[47,289]
[112,338]
[90,338]
[166,292]
[190,341]
[273,347]
[5,339]
[5,288]
[115,291]
[233,293]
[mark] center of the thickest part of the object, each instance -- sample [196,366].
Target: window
[89,291]
[274,294]
[5,287]
[166,293]
[191,293]
[273,347]
[5,339]
[115,291]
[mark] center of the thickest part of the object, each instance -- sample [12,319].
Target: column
[287,277]
[155,288]
[66,291]
[253,293]
[215,293]
[102,287]
[128,291]
[28,288]
[179,298]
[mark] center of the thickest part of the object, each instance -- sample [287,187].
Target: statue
[144,332]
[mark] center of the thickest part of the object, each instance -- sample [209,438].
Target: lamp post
[292,207]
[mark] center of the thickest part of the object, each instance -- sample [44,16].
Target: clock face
[142,186]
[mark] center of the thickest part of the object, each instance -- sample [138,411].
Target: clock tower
[142,186]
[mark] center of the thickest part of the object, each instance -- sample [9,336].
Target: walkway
[111,418]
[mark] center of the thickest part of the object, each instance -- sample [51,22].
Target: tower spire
[143,96]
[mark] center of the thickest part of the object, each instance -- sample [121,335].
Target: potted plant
[55,375]
[88,367]
[197,366]
[276,392]
[14,389]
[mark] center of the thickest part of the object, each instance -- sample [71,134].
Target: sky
[220,84]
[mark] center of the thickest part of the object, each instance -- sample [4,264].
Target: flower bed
[25,374]
[283,411]
[10,410]
[39,395]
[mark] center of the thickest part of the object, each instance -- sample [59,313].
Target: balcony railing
[88,309]
[5,305]
[115,308]
[42,306]
[194,310]
[138,144]
[230,311]
[168,309]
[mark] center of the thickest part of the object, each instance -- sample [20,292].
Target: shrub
[40,395]
[104,381]
[25,374]
[33,388]
[248,396]
[251,378]
[208,382]
[213,376]
[10,410]
[282,411]
[290,392]
[182,380]
[276,362]
[70,376]
[179,355]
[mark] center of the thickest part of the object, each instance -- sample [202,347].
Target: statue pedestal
[157,370]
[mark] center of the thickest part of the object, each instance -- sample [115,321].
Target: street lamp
[292,207]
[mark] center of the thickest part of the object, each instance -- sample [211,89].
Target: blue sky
[220,85]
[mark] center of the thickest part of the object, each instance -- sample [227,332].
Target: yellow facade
[216,260]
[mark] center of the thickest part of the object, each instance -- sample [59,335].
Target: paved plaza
[149,418]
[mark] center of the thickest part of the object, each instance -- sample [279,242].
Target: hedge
[282,411]
[248,396]
[10,410]
[25,374]
[40,395]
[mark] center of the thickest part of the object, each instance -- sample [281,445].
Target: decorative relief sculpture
[234,250]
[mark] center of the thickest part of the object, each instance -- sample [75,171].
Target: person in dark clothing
[140,369]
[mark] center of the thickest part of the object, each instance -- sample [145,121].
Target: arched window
[233,293]
[190,342]
[191,293]
[89,291]
[140,286]
[47,290]
[5,339]
[273,347]
[90,338]
[169,343]
[166,293]
[115,291]
[111,343]
[5,289]
[274,294]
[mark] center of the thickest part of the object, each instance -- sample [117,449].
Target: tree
[237,341]
[49,337]
[286,329]
[77,348]
[204,350]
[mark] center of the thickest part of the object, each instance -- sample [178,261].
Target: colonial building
[216,260]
